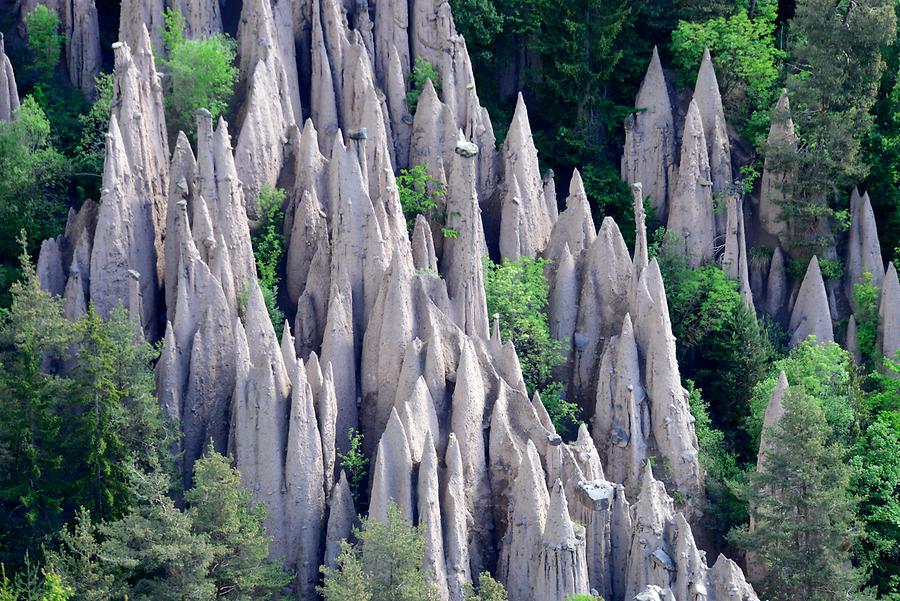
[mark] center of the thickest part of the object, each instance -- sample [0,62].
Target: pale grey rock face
[124,236]
[462,260]
[395,96]
[308,234]
[455,515]
[467,428]
[650,561]
[649,157]
[670,417]
[777,284]
[136,15]
[889,314]
[709,103]
[561,564]
[863,248]
[852,343]
[203,18]
[259,154]
[606,283]
[138,107]
[774,184]
[691,220]
[50,268]
[82,44]
[727,582]
[326,414]
[338,350]
[9,92]
[304,497]
[574,227]
[622,418]
[811,315]
[341,518]
[734,259]
[429,512]
[391,32]
[527,520]
[424,258]
[182,189]
[525,222]
[392,473]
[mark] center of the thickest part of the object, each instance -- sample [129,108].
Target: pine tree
[804,517]
[221,509]
[384,565]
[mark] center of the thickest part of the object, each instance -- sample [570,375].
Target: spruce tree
[804,516]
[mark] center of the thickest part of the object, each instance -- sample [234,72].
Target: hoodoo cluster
[391,335]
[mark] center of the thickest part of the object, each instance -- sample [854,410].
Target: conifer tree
[804,517]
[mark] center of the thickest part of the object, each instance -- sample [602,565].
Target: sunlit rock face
[387,331]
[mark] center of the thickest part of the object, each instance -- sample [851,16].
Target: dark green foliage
[720,345]
[222,510]
[90,150]
[723,474]
[488,589]
[824,373]
[866,296]
[68,440]
[609,196]
[421,194]
[517,292]
[384,565]
[355,463]
[33,184]
[746,60]
[831,102]
[876,482]
[269,250]
[804,516]
[42,27]
[202,73]
[216,549]
[422,71]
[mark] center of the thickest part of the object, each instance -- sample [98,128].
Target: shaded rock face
[391,336]
[650,154]
[811,315]
[9,93]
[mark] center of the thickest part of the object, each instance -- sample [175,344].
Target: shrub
[202,72]
[355,463]
[422,71]
[269,250]
[866,296]
[517,292]
[42,25]
[384,564]
[488,589]
[420,194]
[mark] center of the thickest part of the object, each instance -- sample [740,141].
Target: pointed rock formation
[9,92]
[463,255]
[527,520]
[889,315]
[863,248]
[202,18]
[434,565]
[308,233]
[777,284]
[525,221]
[392,473]
[727,582]
[561,565]
[604,301]
[305,497]
[709,102]
[50,268]
[326,413]
[734,259]
[455,515]
[649,157]
[691,218]
[136,15]
[424,258]
[776,182]
[811,315]
[341,518]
